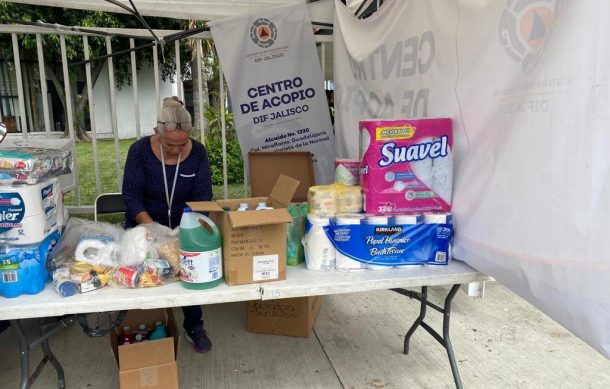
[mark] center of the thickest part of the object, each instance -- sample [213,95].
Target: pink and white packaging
[406,166]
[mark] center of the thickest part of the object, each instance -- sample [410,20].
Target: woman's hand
[144,218]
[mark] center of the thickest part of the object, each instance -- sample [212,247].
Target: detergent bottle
[200,251]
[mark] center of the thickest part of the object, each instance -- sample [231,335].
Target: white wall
[125,106]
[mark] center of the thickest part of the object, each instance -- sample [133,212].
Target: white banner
[276,85]
[527,84]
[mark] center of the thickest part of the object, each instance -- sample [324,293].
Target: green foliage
[213,143]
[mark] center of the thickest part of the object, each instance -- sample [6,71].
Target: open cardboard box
[266,167]
[289,317]
[253,242]
[149,364]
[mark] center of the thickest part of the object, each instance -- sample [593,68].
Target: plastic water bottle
[200,251]
[126,336]
[143,331]
[243,207]
[159,332]
[261,206]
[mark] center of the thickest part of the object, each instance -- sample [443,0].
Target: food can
[127,276]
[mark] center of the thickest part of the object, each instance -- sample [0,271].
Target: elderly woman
[162,173]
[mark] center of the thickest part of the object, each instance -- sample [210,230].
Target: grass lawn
[108,179]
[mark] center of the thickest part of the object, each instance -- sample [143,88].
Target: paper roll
[438,218]
[408,219]
[320,254]
[346,171]
[345,263]
[96,252]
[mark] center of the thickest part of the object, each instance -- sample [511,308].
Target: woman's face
[174,142]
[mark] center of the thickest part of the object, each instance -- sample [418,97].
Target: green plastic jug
[200,251]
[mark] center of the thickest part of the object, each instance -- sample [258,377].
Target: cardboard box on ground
[253,242]
[149,364]
[291,317]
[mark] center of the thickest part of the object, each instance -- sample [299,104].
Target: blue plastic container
[22,268]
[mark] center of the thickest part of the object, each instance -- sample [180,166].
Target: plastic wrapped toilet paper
[320,253]
[346,171]
[97,251]
[408,220]
[29,213]
[406,165]
[377,220]
[441,257]
[345,263]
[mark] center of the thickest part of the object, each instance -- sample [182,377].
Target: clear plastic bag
[94,243]
[151,272]
[137,245]
[149,256]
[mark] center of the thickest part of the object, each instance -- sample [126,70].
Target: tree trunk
[200,121]
[59,88]
[82,101]
[80,132]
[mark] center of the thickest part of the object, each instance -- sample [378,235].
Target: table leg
[46,331]
[444,340]
[24,354]
[50,357]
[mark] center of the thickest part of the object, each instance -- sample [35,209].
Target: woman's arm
[133,184]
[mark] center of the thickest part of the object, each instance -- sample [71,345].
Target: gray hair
[173,111]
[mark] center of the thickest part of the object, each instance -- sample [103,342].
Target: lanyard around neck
[169,198]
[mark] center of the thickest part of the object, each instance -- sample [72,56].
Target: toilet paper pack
[406,166]
[29,213]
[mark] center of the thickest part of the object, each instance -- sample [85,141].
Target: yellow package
[328,200]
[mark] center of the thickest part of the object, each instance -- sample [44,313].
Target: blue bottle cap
[187,209]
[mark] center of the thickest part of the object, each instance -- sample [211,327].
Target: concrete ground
[500,342]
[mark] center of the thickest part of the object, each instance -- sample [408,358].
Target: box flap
[259,218]
[266,167]
[204,206]
[145,354]
[163,376]
[283,190]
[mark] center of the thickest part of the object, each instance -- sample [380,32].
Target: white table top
[300,282]
[50,303]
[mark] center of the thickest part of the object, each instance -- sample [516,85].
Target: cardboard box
[266,167]
[253,242]
[149,364]
[290,317]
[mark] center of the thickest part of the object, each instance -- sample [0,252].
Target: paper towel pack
[406,166]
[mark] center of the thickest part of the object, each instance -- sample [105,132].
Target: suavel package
[391,243]
[406,166]
[28,165]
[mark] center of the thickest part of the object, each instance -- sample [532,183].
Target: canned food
[127,276]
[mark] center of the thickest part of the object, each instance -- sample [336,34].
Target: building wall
[124,104]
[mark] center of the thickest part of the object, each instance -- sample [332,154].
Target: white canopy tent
[319,10]
[554,305]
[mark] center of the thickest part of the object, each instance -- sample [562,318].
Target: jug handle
[206,226]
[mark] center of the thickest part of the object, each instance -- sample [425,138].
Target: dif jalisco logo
[525,28]
[263,32]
